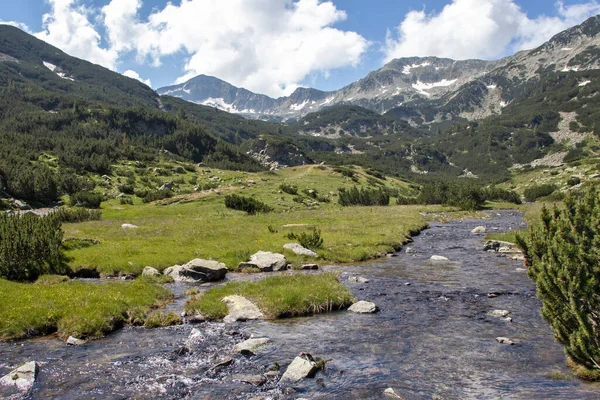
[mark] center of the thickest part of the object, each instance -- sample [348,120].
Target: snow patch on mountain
[50,66]
[422,87]
[408,68]
[298,107]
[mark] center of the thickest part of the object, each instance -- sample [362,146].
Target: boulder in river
[499,313]
[256,380]
[496,245]
[300,250]
[250,346]
[363,307]
[23,377]
[241,309]
[505,340]
[72,341]
[479,230]
[410,250]
[389,392]
[266,261]
[358,279]
[198,270]
[438,258]
[302,367]
[149,271]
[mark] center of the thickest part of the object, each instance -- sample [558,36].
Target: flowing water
[432,339]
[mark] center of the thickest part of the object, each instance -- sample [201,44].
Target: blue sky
[274,46]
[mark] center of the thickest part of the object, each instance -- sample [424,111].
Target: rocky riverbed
[465,325]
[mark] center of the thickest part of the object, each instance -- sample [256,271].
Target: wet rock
[270,375]
[521,270]
[310,266]
[23,377]
[149,271]
[302,367]
[241,309]
[266,261]
[499,313]
[256,380]
[410,250]
[226,362]
[71,341]
[495,245]
[196,319]
[505,340]
[182,351]
[298,249]
[478,230]
[250,346]
[438,258]
[195,337]
[508,319]
[129,226]
[358,279]
[389,392]
[363,307]
[197,270]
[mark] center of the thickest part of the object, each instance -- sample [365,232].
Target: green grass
[159,319]
[277,296]
[79,309]
[198,225]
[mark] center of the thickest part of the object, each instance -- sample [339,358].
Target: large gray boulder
[240,309]
[149,271]
[198,270]
[266,261]
[302,367]
[300,250]
[250,346]
[363,307]
[23,377]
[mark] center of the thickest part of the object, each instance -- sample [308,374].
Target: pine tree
[564,260]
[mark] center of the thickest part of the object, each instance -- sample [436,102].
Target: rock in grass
[149,271]
[363,307]
[23,377]
[250,346]
[505,340]
[300,250]
[499,313]
[197,270]
[302,367]
[266,261]
[438,258]
[71,341]
[241,309]
[358,279]
[479,229]
[129,226]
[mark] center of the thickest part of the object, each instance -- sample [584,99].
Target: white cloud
[483,29]
[67,27]
[267,46]
[134,75]
[19,25]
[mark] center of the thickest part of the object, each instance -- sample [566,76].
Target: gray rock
[129,226]
[23,377]
[495,245]
[505,340]
[310,266]
[302,367]
[410,250]
[438,258]
[256,380]
[241,309]
[75,342]
[266,261]
[167,186]
[298,249]
[479,229]
[363,307]
[358,279]
[196,319]
[149,271]
[250,346]
[197,270]
[389,392]
[499,313]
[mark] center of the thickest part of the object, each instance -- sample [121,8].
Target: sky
[275,46]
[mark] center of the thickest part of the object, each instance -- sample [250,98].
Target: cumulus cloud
[67,26]
[134,75]
[484,29]
[267,46]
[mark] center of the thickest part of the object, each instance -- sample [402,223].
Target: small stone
[479,230]
[149,271]
[302,367]
[310,266]
[71,341]
[226,362]
[272,374]
[129,226]
[438,258]
[250,346]
[407,284]
[196,319]
[255,380]
[389,392]
[492,295]
[505,340]
[410,250]
[499,313]
[358,279]
[363,307]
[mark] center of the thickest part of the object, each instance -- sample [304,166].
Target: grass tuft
[51,279]
[159,319]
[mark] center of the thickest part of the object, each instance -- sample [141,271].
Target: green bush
[248,204]
[494,193]
[562,255]
[462,194]
[156,195]
[533,193]
[288,188]
[77,215]
[363,197]
[30,246]
[573,180]
[86,199]
[127,189]
[310,240]
[126,200]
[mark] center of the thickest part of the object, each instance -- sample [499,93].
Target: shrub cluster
[363,197]
[563,259]
[154,195]
[289,188]
[310,240]
[461,194]
[86,199]
[77,215]
[30,246]
[248,204]
[494,193]
[535,192]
